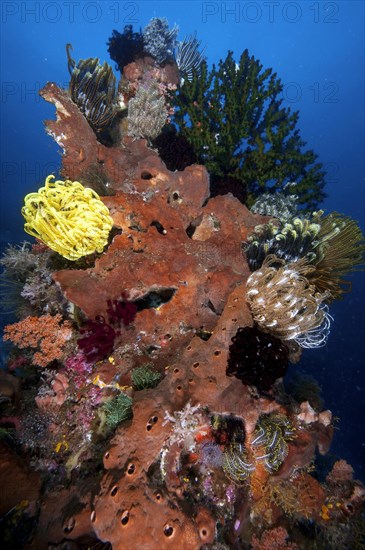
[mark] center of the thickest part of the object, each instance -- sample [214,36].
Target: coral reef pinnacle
[157,416]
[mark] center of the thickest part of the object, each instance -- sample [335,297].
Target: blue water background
[316,48]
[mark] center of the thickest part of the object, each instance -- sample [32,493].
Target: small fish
[113,385]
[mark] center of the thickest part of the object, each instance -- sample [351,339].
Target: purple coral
[80,369]
[121,311]
[98,340]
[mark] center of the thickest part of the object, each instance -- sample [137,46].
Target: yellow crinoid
[68,217]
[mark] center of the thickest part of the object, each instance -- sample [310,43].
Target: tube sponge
[67,217]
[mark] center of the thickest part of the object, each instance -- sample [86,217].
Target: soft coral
[99,335]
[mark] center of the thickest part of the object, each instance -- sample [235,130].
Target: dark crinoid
[188,57]
[174,149]
[159,41]
[294,239]
[272,433]
[93,89]
[256,358]
[126,47]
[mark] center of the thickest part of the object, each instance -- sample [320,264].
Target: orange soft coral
[46,334]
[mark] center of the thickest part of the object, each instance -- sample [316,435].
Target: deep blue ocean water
[315,47]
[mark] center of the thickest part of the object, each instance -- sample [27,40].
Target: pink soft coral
[79,369]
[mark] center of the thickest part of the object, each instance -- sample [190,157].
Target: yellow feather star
[68,217]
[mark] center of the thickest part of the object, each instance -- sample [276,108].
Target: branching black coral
[175,149]
[234,118]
